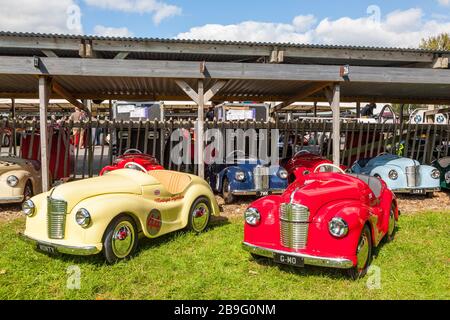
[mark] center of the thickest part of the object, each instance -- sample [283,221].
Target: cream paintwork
[122,191]
[24,171]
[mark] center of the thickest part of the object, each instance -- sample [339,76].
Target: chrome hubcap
[123,239]
[200,216]
[363,252]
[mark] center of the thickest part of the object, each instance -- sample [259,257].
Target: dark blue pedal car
[245,176]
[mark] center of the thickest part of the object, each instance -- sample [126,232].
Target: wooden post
[110,110]
[336,98]
[200,132]
[358,110]
[43,105]
[13,108]
[315,109]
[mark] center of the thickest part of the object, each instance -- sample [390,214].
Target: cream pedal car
[106,214]
[19,179]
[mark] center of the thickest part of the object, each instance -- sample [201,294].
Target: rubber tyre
[108,251]
[227,196]
[391,235]
[356,273]
[191,226]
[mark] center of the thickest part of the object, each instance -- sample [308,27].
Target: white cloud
[444,2]
[397,29]
[158,9]
[112,32]
[44,16]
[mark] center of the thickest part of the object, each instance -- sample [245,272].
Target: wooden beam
[43,105]
[121,55]
[306,91]
[218,70]
[188,90]
[200,127]
[214,90]
[49,53]
[62,92]
[336,134]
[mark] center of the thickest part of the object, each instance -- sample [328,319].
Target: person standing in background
[78,133]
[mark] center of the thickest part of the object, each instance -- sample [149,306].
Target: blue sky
[399,23]
[201,12]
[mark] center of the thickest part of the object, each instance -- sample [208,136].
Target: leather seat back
[173,182]
[374,183]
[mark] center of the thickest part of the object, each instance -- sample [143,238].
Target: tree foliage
[440,42]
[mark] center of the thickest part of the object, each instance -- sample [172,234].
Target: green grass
[213,266]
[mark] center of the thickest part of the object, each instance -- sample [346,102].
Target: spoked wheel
[199,215]
[363,254]
[28,191]
[120,239]
[227,195]
[392,225]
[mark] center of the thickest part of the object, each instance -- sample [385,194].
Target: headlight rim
[438,176]
[14,184]
[345,227]
[31,206]
[87,219]
[257,216]
[283,174]
[239,172]
[393,175]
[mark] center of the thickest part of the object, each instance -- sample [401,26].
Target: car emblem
[157,192]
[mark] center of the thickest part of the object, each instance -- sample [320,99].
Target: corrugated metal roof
[215,42]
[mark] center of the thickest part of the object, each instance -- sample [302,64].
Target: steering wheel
[302,152]
[381,115]
[135,166]
[328,165]
[382,154]
[132,151]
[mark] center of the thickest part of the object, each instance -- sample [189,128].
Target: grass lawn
[213,266]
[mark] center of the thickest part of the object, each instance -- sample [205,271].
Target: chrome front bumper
[15,199]
[255,192]
[418,190]
[77,251]
[339,263]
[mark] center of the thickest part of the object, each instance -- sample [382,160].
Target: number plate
[47,249]
[263,193]
[289,260]
[418,191]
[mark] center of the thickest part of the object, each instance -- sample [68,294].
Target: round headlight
[252,216]
[83,218]
[393,175]
[28,208]
[435,174]
[283,174]
[338,227]
[12,181]
[239,175]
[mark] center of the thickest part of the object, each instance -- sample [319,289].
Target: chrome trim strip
[16,198]
[254,192]
[78,251]
[339,263]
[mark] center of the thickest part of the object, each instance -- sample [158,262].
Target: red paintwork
[327,195]
[145,160]
[306,160]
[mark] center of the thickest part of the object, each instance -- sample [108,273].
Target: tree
[440,42]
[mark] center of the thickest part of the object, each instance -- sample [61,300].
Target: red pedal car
[133,159]
[308,161]
[325,219]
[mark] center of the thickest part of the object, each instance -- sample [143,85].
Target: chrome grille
[261,178]
[412,176]
[56,218]
[294,225]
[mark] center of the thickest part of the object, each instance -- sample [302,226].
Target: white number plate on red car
[289,260]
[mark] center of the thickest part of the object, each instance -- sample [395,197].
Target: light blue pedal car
[402,175]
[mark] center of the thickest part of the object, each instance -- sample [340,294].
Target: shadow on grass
[314,271]
[143,245]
